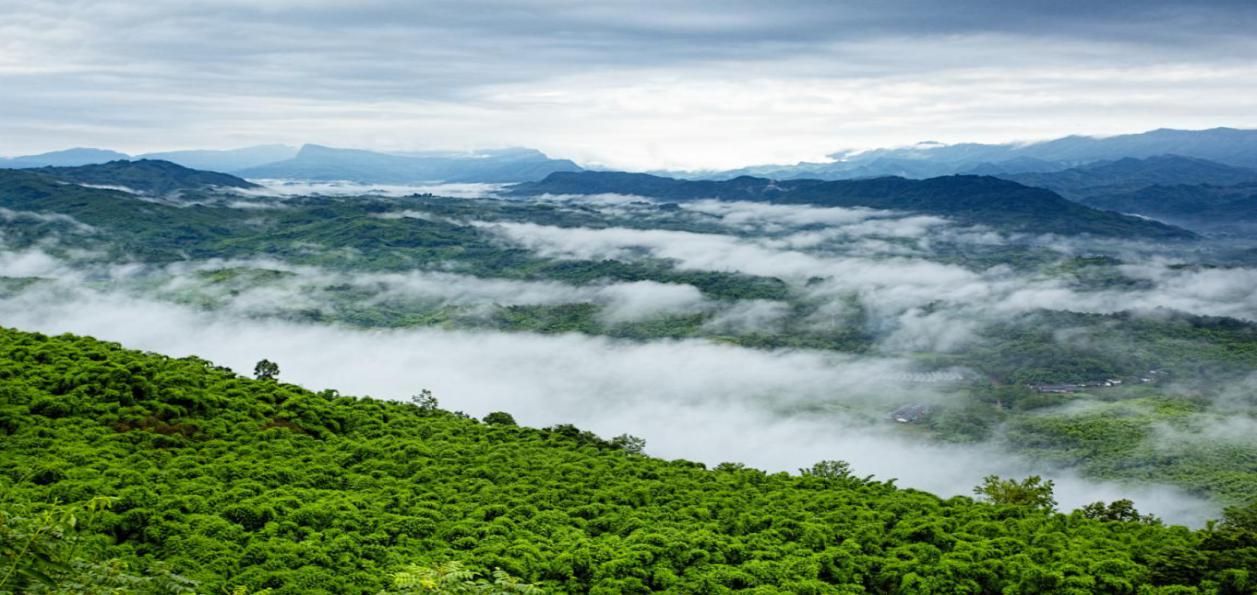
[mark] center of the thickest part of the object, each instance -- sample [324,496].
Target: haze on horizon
[625,85]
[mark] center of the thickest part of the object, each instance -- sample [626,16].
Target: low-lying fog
[688,399]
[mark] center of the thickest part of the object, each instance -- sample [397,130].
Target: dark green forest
[157,474]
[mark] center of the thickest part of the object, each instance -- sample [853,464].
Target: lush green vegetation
[1147,439]
[233,483]
[1125,345]
[345,234]
[202,252]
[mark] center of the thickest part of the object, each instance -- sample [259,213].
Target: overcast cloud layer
[629,84]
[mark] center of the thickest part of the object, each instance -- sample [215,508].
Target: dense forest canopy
[196,478]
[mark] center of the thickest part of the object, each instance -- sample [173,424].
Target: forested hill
[972,199]
[185,475]
[146,176]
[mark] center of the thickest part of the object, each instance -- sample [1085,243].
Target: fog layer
[688,399]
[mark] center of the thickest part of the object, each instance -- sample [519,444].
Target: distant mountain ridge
[1130,173]
[228,160]
[1203,207]
[145,176]
[64,158]
[1194,193]
[1228,146]
[316,162]
[971,199]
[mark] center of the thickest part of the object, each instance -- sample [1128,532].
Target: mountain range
[1199,207]
[1203,180]
[1228,146]
[984,200]
[63,158]
[230,160]
[1200,195]
[1129,173]
[316,162]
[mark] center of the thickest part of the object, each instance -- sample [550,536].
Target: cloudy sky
[650,84]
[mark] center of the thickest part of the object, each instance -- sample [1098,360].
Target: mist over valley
[539,297]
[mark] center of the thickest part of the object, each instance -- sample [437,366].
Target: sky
[635,85]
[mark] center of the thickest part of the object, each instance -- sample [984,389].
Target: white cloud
[750,316]
[891,285]
[305,288]
[12,216]
[347,188]
[767,217]
[639,300]
[30,263]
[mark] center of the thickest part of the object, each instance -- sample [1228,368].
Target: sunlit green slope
[231,482]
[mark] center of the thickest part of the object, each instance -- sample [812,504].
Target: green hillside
[215,482]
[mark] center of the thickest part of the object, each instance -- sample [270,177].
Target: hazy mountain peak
[1228,146]
[320,162]
[226,160]
[65,157]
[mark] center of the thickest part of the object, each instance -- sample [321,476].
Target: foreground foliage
[256,484]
